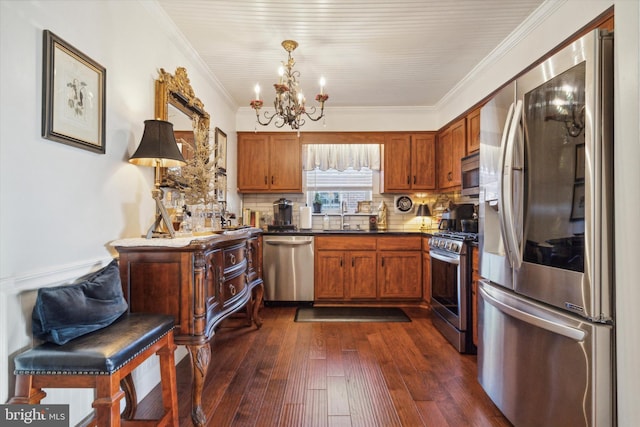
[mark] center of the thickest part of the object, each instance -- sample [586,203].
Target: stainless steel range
[450,287]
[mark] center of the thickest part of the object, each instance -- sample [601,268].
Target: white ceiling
[371,52]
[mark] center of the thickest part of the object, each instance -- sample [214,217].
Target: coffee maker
[282,216]
[452,218]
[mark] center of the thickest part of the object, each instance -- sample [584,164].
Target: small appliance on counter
[453,217]
[282,216]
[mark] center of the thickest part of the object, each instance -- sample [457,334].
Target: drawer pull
[232,259]
[232,290]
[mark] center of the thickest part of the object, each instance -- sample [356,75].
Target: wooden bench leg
[107,402]
[25,394]
[168,379]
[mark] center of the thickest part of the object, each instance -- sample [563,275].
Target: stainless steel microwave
[470,169]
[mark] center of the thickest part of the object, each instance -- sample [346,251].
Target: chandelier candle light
[289,102]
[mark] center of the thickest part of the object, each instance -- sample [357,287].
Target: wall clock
[403,204]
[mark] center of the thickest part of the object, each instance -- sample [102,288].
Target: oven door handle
[444,258]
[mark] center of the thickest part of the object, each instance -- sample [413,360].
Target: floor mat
[351,314]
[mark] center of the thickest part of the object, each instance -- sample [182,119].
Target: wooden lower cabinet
[345,275]
[400,274]
[367,268]
[426,272]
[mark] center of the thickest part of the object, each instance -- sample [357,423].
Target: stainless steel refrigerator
[546,316]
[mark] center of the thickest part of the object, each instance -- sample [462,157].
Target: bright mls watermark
[34,415]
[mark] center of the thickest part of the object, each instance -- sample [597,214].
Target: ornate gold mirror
[177,103]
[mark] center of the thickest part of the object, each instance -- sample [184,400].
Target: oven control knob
[455,247]
[447,246]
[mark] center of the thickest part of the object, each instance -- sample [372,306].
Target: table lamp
[158,148]
[423,212]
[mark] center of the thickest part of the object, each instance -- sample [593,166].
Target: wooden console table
[200,281]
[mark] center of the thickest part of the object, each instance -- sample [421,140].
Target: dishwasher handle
[289,243]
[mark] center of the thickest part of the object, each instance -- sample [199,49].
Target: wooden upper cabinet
[397,162]
[444,158]
[408,162]
[285,163]
[451,147]
[423,161]
[269,163]
[473,131]
[253,162]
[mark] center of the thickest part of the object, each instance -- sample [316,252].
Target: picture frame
[73,96]
[221,186]
[221,149]
[579,165]
[578,203]
[364,206]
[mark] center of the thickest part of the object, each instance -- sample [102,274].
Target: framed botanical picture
[73,96]
[221,149]
[221,186]
[579,175]
[577,206]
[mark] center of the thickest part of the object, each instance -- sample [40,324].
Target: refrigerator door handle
[520,313]
[507,190]
[498,205]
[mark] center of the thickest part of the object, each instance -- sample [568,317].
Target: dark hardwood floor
[335,374]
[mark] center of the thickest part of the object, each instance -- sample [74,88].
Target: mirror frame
[175,90]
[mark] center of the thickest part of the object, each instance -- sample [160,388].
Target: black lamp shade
[158,146]
[423,210]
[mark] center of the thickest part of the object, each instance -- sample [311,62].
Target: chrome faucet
[343,225]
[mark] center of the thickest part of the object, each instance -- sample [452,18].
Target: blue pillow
[63,313]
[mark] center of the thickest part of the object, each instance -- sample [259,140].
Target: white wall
[60,206]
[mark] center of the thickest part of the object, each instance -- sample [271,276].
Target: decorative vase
[317,207]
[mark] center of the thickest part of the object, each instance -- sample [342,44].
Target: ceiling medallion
[289,102]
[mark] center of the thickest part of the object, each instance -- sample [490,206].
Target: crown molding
[185,46]
[533,21]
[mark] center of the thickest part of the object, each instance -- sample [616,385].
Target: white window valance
[340,156]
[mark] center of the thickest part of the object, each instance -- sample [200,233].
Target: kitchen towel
[305,218]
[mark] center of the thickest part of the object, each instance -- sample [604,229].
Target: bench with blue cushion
[101,359]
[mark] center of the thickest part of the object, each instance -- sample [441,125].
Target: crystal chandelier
[290,102]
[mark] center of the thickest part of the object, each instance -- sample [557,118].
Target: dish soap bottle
[325,222]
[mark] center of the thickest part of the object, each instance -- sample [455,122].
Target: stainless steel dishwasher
[287,269]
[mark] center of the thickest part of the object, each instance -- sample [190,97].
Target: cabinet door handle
[382,261]
[408,179]
[450,176]
[414,179]
[271,179]
[265,180]
[340,261]
[353,262]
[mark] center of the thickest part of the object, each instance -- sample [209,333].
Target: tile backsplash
[263,203]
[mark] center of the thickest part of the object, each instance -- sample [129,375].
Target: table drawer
[234,256]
